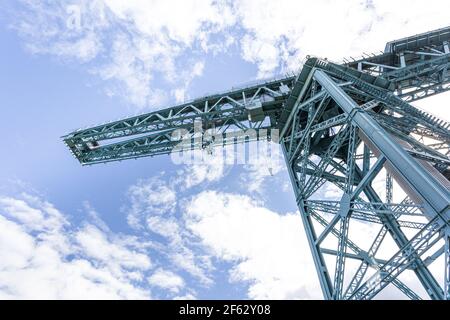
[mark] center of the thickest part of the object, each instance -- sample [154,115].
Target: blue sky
[150,228]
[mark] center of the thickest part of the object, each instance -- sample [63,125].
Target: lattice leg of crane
[312,167]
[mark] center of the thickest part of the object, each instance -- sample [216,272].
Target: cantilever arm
[150,134]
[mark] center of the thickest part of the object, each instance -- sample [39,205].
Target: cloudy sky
[150,228]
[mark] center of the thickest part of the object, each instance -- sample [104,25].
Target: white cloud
[436,105]
[44,256]
[280,34]
[183,24]
[94,217]
[127,43]
[210,169]
[181,94]
[110,252]
[150,214]
[265,247]
[42,217]
[188,296]
[165,227]
[166,280]
[130,44]
[266,162]
[149,197]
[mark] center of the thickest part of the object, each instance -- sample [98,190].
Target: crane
[339,125]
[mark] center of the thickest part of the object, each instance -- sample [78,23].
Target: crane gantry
[339,125]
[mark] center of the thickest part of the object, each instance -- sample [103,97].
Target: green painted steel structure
[340,126]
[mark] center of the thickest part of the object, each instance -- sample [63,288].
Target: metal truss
[160,132]
[345,127]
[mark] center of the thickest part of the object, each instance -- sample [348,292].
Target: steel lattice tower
[340,125]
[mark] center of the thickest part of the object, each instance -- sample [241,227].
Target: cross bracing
[348,127]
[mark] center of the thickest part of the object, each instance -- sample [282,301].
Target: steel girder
[417,65]
[160,132]
[363,121]
[413,68]
[335,120]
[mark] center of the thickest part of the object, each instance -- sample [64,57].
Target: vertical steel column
[366,159]
[427,186]
[319,261]
[436,196]
[345,214]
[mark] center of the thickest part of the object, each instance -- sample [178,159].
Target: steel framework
[341,126]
